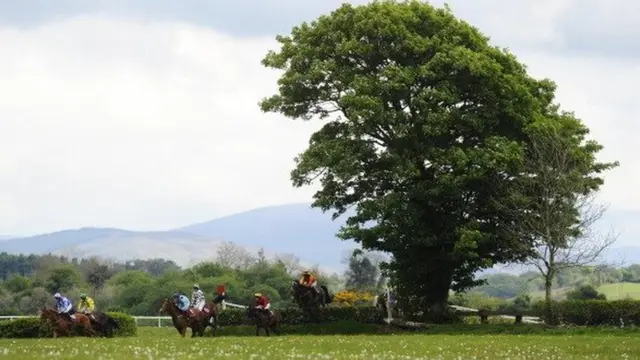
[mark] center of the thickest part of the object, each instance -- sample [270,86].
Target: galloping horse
[61,325]
[308,300]
[198,322]
[264,320]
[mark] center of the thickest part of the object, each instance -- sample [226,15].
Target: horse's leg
[257,330]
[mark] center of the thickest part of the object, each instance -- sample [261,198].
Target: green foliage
[32,327]
[126,324]
[362,274]
[585,292]
[23,328]
[62,278]
[594,312]
[426,132]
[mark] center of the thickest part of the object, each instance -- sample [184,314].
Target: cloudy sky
[143,114]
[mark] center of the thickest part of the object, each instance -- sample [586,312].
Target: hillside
[614,291]
[293,228]
[296,228]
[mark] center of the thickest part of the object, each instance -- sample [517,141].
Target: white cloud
[154,125]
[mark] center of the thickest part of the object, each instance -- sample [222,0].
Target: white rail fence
[158,320]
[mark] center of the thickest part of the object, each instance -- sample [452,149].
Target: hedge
[593,312]
[32,327]
[294,316]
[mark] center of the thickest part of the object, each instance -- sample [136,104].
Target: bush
[352,298]
[23,328]
[32,327]
[126,324]
[294,316]
[593,312]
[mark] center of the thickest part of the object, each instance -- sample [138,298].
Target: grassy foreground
[164,343]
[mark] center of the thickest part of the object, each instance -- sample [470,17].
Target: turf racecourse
[164,343]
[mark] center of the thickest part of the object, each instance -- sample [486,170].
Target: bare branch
[559,216]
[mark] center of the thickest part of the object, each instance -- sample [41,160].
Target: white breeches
[199,305]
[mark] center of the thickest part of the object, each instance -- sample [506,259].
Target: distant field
[163,343]
[615,291]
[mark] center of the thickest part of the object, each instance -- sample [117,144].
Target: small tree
[234,256]
[560,209]
[362,274]
[585,292]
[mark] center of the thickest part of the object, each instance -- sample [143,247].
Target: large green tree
[426,126]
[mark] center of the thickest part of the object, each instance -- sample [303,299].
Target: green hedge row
[294,316]
[32,327]
[593,312]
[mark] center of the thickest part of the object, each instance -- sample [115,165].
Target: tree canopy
[426,128]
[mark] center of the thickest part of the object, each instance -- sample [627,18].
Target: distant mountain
[294,228]
[297,229]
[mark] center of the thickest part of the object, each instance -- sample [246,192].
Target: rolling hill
[613,291]
[293,228]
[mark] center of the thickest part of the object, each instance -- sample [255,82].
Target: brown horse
[198,321]
[264,320]
[62,326]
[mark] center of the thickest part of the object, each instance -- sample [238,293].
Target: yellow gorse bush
[352,298]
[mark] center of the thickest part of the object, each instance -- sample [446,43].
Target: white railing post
[159,322]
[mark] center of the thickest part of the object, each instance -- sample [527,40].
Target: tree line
[138,286]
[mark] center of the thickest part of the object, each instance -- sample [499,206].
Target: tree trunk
[548,284]
[436,297]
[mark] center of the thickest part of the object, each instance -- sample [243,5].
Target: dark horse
[264,319]
[198,321]
[62,326]
[308,300]
[103,323]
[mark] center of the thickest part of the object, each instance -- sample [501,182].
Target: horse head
[167,307]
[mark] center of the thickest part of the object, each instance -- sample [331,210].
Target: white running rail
[158,319]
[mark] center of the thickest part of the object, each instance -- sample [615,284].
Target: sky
[142,114]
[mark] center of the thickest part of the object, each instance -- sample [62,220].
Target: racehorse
[103,323]
[198,321]
[61,325]
[264,320]
[309,301]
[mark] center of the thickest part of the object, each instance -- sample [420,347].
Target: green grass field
[165,343]
[615,291]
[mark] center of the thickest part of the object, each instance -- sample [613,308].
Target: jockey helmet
[57,295]
[83,296]
[196,286]
[257,294]
[306,272]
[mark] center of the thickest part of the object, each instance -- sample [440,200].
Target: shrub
[31,327]
[593,312]
[352,298]
[293,316]
[23,328]
[126,324]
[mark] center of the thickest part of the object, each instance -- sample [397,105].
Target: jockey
[310,281]
[262,303]
[197,298]
[64,307]
[182,302]
[87,305]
